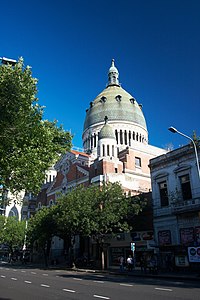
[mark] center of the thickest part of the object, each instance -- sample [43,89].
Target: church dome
[125,116]
[117,105]
[106,132]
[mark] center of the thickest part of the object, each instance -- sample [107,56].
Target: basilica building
[115,141]
[116,149]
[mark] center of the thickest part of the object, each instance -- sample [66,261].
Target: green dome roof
[115,103]
[106,132]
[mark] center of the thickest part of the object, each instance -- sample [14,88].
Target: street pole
[174,130]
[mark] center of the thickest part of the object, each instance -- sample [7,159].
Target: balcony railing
[186,206]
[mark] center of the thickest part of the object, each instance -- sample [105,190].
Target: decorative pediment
[161,175]
[182,168]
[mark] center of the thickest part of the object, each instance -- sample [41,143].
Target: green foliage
[42,227]
[29,144]
[12,232]
[84,211]
[96,211]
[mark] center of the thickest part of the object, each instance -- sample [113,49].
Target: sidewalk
[182,275]
[179,275]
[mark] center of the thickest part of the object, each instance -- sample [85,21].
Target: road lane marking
[100,276]
[162,289]
[45,285]
[98,281]
[3,276]
[126,284]
[77,278]
[33,273]
[26,281]
[102,297]
[13,278]
[23,271]
[14,270]
[45,274]
[70,291]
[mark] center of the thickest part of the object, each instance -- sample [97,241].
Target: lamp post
[174,130]
[6,61]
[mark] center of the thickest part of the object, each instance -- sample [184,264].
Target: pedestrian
[130,263]
[143,264]
[121,263]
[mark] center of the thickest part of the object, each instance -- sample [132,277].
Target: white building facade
[176,204]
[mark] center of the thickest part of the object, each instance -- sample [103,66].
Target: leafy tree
[94,211]
[29,145]
[12,233]
[41,228]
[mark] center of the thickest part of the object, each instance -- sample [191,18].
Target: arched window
[108,150]
[121,137]
[125,137]
[116,135]
[133,135]
[95,140]
[129,138]
[103,147]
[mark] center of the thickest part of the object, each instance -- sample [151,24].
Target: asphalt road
[35,284]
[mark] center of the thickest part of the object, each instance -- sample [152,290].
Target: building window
[129,138]
[103,99]
[116,135]
[108,150]
[118,98]
[164,200]
[95,140]
[115,170]
[113,151]
[103,150]
[125,137]
[185,187]
[133,135]
[138,162]
[121,137]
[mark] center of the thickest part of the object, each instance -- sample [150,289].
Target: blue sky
[70,45]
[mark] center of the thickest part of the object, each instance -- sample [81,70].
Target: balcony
[184,206]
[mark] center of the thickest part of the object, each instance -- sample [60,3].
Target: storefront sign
[115,253]
[194,254]
[181,261]
[187,235]
[142,236]
[164,237]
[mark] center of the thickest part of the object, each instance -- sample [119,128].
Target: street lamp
[174,130]
[6,61]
